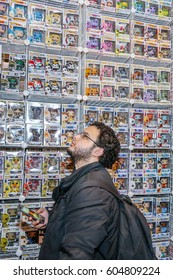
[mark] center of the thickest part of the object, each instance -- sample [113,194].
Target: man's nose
[76,136]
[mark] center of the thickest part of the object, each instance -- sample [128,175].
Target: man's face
[82,146]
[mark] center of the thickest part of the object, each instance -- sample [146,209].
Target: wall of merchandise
[64,65]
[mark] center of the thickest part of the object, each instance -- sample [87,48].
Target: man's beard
[80,154]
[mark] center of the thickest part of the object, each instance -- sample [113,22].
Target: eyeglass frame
[84,134]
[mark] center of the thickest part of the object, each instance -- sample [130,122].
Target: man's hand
[43,212]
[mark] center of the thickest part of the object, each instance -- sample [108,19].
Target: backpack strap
[103,185]
[111,189]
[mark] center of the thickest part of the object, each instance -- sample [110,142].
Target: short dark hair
[107,140]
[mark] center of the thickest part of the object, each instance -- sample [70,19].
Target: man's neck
[82,163]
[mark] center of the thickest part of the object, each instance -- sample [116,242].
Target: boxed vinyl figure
[91,114]
[136,163]
[137,92]
[120,167]
[15,135]
[150,118]
[136,117]
[136,137]
[49,183]
[53,65]
[145,205]
[121,183]
[106,115]
[52,113]
[164,94]
[18,9]
[33,162]
[51,135]
[150,184]
[14,162]
[152,225]
[163,76]
[67,134]
[164,33]
[106,90]
[53,38]
[163,163]
[163,184]
[108,5]
[123,73]
[70,19]
[3,110]
[53,86]
[123,137]
[17,32]
[138,30]
[15,112]
[66,164]
[10,215]
[162,227]
[12,186]
[70,39]
[93,42]
[37,14]
[122,47]
[32,185]
[150,76]
[150,163]
[122,91]
[150,138]
[54,17]
[71,112]
[107,25]
[162,206]
[138,48]
[107,71]
[121,117]
[92,89]
[164,52]
[137,74]
[9,240]
[136,184]
[92,70]
[151,32]
[163,138]
[122,5]
[35,112]
[93,23]
[150,94]
[123,28]
[69,87]
[36,63]
[70,66]
[162,250]
[36,84]
[4,8]
[11,83]
[51,162]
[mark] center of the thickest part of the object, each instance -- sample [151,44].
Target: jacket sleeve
[87,223]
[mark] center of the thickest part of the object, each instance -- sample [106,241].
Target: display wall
[63,66]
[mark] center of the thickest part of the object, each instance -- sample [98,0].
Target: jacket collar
[67,183]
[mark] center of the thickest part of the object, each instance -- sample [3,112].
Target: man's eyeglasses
[85,135]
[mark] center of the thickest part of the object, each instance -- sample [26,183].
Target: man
[83,222]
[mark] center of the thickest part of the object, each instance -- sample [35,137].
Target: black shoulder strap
[104,186]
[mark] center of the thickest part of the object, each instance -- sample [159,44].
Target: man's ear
[98,151]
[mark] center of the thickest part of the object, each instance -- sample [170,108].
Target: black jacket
[83,223]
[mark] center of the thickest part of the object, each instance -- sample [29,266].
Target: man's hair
[109,142]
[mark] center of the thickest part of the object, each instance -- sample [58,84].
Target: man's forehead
[92,129]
